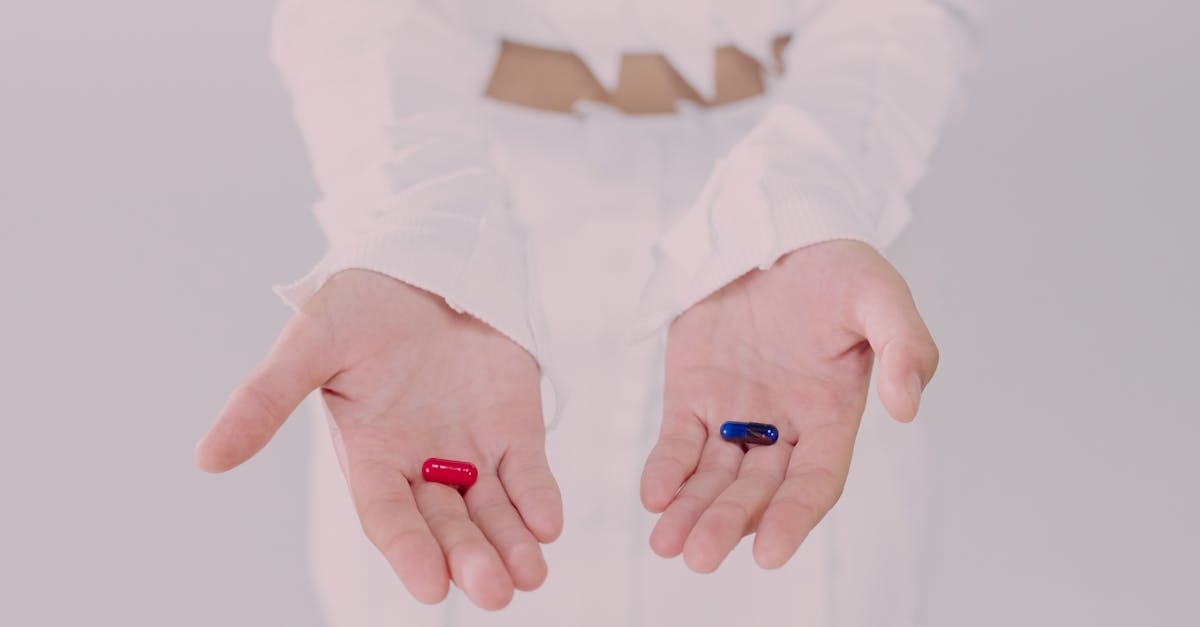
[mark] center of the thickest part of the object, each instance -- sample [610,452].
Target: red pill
[449,472]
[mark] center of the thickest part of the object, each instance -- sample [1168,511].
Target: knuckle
[256,395]
[400,541]
[381,526]
[536,494]
[517,545]
[530,482]
[759,477]
[444,518]
[690,501]
[797,509]
[489,509]
[668,464]
[731,513]
[466,544]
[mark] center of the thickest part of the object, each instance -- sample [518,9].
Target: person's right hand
[406,378]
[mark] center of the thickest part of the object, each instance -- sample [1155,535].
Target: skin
[792,346]
[407,378]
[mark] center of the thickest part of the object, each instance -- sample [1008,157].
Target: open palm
[406,378]
[792,346]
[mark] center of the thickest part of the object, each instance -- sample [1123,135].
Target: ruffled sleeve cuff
[783,187]
[477,265]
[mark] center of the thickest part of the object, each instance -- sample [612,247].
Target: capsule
[461,475]
[749,433]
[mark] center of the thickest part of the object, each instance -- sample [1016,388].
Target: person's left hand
[792,346]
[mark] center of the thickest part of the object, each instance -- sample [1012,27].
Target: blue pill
[749,433]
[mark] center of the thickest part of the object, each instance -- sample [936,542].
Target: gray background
[148,159]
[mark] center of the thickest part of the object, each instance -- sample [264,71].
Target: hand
[406,378]
[792,346]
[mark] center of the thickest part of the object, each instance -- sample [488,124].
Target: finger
[474,564]
[495,515]
[908,356]
[716,470]
[297,364]
[390,518]
[526,477]
[736,511]
[815,478]
[672,460]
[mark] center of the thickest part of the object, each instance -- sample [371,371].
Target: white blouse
[386,93]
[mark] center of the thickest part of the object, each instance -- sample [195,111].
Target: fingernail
[915,387]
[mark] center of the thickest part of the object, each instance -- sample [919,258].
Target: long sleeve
[385,93]
[849,128]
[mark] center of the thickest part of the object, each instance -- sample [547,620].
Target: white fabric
[853,122]
[387,91]
[595,193]
[506,214]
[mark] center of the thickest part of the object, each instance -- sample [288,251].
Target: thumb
[907,354]
[297,364]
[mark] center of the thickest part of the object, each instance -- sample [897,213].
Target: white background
[152,188]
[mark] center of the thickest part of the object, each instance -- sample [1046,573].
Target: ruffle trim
[477,267]
[783,187]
